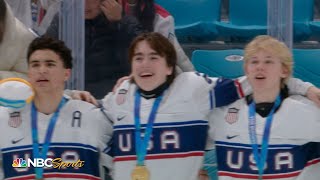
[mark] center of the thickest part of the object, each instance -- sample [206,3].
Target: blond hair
[273,46]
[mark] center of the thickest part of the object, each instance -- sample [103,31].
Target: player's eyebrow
[47,61]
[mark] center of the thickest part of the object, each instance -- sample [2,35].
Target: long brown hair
[3,11]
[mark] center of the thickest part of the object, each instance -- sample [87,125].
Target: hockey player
[159,134]
[53,137]
[268,134]
[161,120]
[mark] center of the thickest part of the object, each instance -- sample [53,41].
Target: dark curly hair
[58,46]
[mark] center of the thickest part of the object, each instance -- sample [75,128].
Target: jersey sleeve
[103,129]
[298,87]
[317,127]
[4,116]
[1,167]
[227,91]
[217,92]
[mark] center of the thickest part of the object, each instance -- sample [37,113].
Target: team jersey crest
[232,115]
[15,120]
[121,96]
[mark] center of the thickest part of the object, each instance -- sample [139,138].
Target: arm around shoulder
[297,86]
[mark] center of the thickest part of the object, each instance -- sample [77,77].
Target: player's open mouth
[146,75]
[260,77]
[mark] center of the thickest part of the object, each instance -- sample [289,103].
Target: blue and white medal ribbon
[141,144]
[261,158]
[47,141]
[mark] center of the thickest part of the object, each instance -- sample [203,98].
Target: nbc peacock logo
[19,163]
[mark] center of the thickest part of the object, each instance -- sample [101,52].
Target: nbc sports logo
[19,162]
[36,162]
[49,163]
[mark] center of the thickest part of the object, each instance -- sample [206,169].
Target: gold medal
[140,173]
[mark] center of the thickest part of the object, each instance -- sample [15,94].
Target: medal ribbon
[142,143]
[262,157]
[35,138]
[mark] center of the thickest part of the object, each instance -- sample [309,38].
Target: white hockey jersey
[179,135]
[294,143]
[81,133]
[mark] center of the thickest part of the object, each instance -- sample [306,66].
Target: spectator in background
[21,10]
[14,41]
[35,14]
[110,27]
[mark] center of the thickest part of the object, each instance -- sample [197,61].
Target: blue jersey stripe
[249,145]
[51,145]
[203,122]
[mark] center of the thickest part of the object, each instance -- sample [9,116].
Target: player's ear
[67,74]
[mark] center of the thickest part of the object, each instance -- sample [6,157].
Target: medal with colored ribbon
[15,93]
[47,141]
[262,157]
[140,172]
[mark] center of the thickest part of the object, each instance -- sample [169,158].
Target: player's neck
[47,103]
[266,96]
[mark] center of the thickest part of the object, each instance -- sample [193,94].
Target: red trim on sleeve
[239,88]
